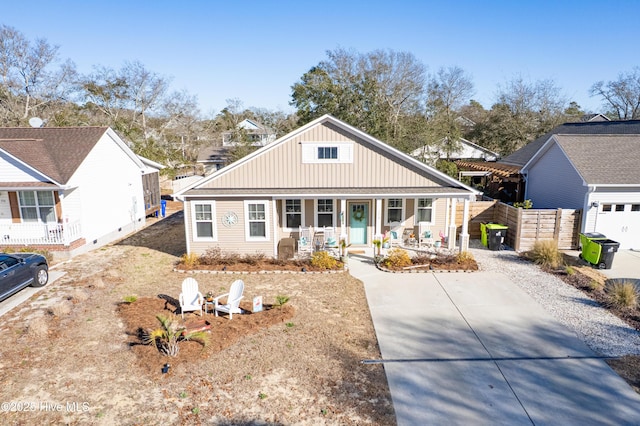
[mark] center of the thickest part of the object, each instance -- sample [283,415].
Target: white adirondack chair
[190,299]
[305,242]
[395,234]
[233,300]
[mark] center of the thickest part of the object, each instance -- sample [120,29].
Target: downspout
[587,208]
[274,212]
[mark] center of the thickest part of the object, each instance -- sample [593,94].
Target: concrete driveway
[626,264]
[472,348]
[25,294]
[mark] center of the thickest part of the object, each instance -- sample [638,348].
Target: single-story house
[70,189]
[596,173]
[324,174]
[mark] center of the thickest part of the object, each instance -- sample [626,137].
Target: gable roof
[445,182]
[526,153]
[600,159]
[55,152]
[467,150]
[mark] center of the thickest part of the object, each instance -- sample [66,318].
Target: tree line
[388,94]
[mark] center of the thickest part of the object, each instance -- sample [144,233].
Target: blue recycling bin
[163,207]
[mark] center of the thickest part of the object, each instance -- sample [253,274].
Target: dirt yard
[76,354]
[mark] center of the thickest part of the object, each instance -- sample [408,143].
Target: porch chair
[395,234]
[424,234]
[233,300]
[305,247]
[190,299]
[331,244]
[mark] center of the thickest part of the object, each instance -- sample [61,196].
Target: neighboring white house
[467,151]
[71,189]
[598,173]
[258,134]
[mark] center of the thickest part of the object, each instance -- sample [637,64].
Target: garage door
[621,223]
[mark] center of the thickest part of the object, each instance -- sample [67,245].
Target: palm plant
[166,337]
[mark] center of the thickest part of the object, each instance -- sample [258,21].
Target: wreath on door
[358,214]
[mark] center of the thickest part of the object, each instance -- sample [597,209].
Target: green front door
[358,214]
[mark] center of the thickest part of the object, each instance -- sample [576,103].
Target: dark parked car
[19,270]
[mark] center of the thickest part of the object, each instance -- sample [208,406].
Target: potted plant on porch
[344,254]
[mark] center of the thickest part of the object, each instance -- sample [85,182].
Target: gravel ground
[603,332]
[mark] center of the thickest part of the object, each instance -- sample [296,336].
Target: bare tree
[28,81]
[622,96]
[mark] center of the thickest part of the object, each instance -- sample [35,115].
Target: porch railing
[39,233]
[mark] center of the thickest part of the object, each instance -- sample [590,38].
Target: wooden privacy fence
[526,226]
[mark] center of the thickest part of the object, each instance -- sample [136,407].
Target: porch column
[464,235]
[452,225]
[378,230]
[343,219]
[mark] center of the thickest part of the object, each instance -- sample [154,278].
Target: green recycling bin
[492,235]
[598,250]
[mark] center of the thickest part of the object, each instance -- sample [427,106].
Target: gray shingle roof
[524,154]
[56,152]
[604,159]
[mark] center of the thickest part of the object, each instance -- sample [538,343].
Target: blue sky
[256,50]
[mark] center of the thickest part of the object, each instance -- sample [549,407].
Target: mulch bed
[141,315]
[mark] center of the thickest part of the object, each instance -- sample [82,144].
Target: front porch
[37,234]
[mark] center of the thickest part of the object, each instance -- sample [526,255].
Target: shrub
[281,300]
[253,259]
[569,270]
[38,327]
[130,299]
[546,253]
[190,260]
[465,257]
[623,295]
[60,309]
[323,260]
[166,337]
[595,285]
[397,258]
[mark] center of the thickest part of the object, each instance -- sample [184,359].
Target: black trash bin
[608,252]
[496,234]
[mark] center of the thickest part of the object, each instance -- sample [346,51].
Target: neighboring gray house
[596,173]
[505,180]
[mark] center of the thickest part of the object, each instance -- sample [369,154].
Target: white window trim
[214,220]
[37,206]
[386,210]
[247,236]
[433,210]
[284,214]
[310,152]
[316,212]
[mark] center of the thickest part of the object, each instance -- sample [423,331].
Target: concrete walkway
[472,348]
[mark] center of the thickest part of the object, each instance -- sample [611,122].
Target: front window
[257,217]
[394,210]
[37,206]
[424,210]
[293,213]
[204,224]
[325,213]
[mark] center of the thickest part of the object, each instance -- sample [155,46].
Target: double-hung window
[37,206]
[325,213]
[204,225]
[293,213]
[424,210]
[394,210]
[256,227]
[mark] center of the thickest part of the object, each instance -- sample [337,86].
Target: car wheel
[40,277]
